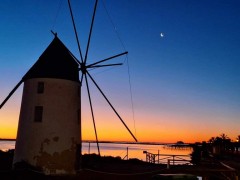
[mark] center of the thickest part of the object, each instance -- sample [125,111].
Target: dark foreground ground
[95,167]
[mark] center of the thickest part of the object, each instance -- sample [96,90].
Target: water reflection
[134,150]
[115,149]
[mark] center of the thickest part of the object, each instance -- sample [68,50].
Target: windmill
[50,116]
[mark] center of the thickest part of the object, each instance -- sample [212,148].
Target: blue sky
[188,80]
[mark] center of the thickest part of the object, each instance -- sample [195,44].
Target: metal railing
[169,159]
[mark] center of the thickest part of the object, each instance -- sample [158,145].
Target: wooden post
[127,153]
[168,164]
[158,156]
[88,147]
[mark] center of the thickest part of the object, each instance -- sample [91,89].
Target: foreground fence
[167,159]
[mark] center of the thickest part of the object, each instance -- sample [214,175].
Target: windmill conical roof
[55,62]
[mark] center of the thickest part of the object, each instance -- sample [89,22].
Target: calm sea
[121,150]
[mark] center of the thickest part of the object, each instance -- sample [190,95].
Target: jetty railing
[169,159]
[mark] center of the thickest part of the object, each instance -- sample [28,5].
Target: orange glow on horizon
[165,129]
[8,132]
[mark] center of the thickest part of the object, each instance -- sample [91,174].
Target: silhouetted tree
[237,144]
[223,142]
[205,152]
[218,141]
[212,140]
[196,154]
[224,136]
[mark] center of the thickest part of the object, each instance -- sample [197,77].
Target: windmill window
[40,87]
[38,114]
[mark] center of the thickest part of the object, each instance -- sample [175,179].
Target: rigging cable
[55,19]
[126,60]
[114,27]
[130,88]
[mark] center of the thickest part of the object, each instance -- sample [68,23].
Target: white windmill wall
[51,143]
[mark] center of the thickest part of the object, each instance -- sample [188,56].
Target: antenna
[54,33]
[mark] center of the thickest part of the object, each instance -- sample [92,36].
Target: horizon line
[109,141]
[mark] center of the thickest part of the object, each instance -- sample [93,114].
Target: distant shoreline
[3,139]
[116,142]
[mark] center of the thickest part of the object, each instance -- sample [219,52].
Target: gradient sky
[185,85]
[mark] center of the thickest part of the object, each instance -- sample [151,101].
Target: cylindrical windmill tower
[49,122]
